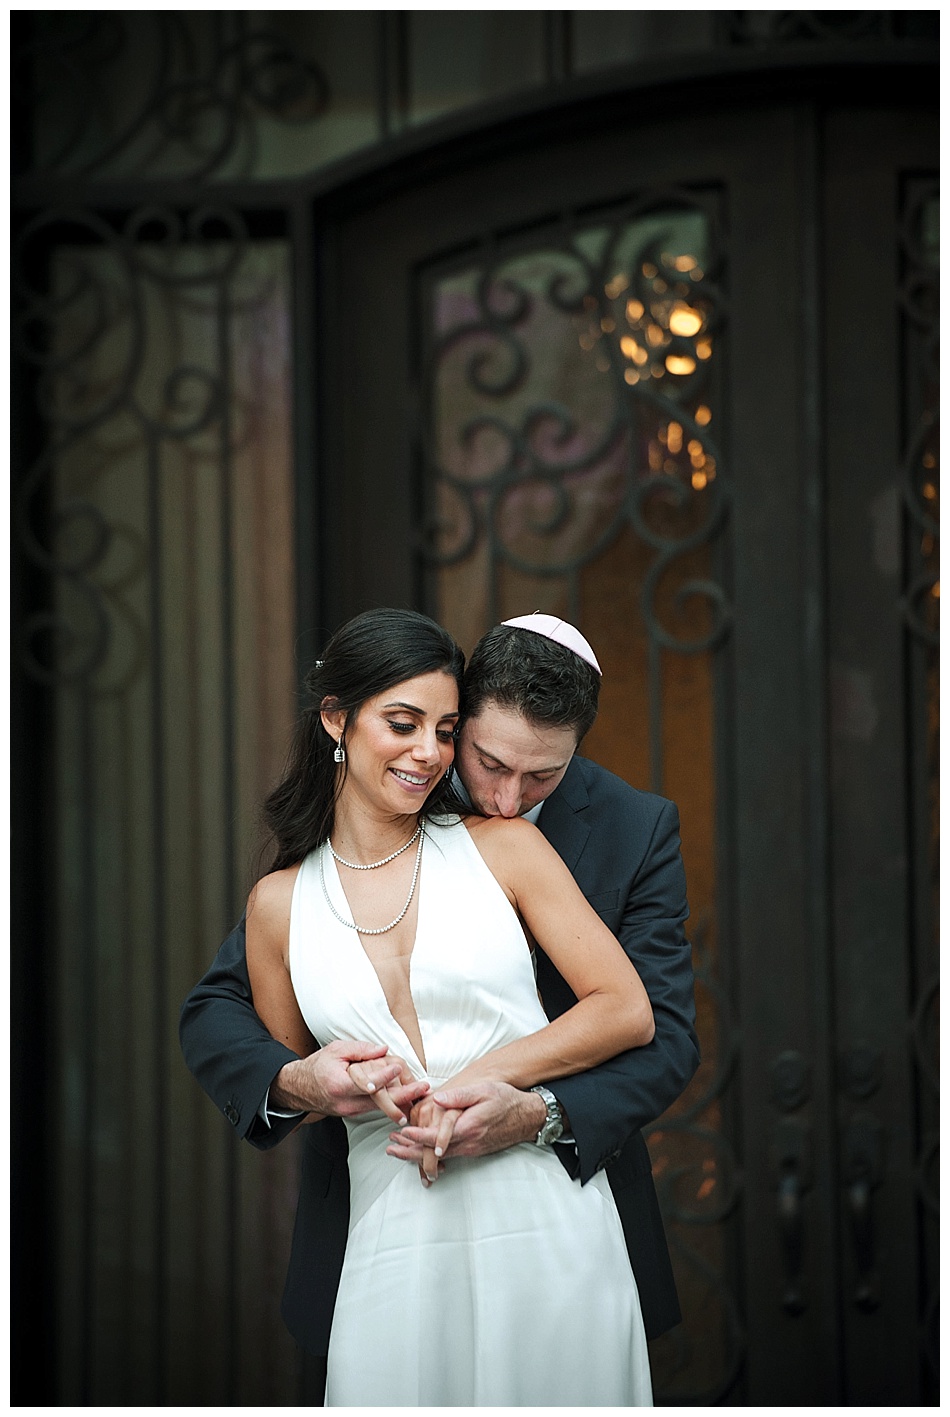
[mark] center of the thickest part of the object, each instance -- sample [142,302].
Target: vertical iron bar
[392,72]
[557,41]
[383,102]
[815,661]
[307,376]
[159,963]
[654,671]
[227,749]
[89,1022]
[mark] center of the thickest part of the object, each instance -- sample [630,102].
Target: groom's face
[508,763]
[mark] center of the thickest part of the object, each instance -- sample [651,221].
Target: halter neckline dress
[504,1283]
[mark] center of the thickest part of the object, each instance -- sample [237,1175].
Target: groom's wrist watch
[553,1122]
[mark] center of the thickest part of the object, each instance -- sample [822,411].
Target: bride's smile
[399,745]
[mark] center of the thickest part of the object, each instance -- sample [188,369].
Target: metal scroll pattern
[568,392]
[920,309]
[154,348]
[571,465]
[160,92]
[744,27]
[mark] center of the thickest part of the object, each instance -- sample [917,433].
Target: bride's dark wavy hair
[368,654]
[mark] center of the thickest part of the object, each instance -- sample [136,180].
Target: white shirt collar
[530,816]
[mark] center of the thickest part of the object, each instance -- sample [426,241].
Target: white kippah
[558,630]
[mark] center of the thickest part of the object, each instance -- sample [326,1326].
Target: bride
[388,917]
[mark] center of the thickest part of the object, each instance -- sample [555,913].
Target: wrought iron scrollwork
[745,27]
[199,81]
[616,317]
[515,475]
[90,294]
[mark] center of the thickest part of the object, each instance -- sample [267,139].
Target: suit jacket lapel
[562,820]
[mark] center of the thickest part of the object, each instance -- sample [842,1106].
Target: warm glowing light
[699,480]
[631,376]
[655,455]
[654,334]
[674,438]
[662,434]
[659,285]
[930,491]
[616,286]
[695,448]
[640,356]
[680,363]
[684,320]
[685,263]
[629,347]
[935,590]
[607,325]
[704,348]
[649,270]
[657,371]
[587,341]
[706,1189]
[703,415]
[634,311]
[929,460]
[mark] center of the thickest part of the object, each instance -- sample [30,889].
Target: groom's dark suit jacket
[623,849]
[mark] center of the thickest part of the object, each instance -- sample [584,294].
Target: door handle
[792,1170]
[864,1165]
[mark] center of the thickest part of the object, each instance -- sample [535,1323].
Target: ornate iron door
[618,375]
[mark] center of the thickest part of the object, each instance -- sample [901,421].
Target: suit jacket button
[232,1114]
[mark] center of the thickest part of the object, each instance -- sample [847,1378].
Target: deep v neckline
[420,1059]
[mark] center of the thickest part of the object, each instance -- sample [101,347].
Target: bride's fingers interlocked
[446,1127]
[380,1094]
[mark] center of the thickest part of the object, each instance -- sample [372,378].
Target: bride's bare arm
[612,1012]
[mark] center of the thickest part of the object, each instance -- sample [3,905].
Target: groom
[529,696]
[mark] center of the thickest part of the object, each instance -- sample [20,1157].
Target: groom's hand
[347,1079]
[491,1117]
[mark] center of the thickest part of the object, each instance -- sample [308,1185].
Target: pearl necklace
[374,865]
[384,929]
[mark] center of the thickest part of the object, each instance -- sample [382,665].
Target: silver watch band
[554,1121]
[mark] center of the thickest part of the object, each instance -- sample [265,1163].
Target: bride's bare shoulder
[496,836]
[268,905]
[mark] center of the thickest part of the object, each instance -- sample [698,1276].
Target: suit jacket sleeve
[608,1103]
[228,1049]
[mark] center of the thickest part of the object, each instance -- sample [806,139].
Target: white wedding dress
[505,1283]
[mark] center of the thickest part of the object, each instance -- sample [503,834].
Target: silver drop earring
[339,753]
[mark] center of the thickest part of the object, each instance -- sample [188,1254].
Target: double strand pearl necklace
[373,865]
[384,929]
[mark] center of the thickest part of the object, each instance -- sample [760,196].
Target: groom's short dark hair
[545,682]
